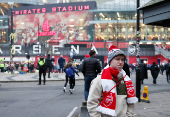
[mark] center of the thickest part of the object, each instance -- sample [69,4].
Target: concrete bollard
[84,111]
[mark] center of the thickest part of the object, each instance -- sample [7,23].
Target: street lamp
[138,84]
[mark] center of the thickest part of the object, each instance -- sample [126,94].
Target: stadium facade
[56,27]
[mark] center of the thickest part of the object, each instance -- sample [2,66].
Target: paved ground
[159,95]
[4,77]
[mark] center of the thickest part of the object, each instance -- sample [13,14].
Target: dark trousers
[49,70]
[154,80]
[72,82]
[17,68]
[87,86]
[66,81]
[167,76]
[61,68]
[2,69]
[44,74]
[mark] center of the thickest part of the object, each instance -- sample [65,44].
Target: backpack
[69,72]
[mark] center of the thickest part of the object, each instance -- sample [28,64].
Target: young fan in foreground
[112,94]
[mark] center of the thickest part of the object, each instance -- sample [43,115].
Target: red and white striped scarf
[108,104]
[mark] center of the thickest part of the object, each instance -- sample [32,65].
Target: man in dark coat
[61,62]
[126,68]
[90,68]
[143,71]
[154,72]
[166,67]
[49,64]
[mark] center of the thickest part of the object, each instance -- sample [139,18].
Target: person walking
[132,68]
[161,68]
[66,77]
[90,68]
[16,66]
[49,64]
[61,61]
[70,73]
[143,71]
[42,64]
[112,94]
[154,72]
[166,67]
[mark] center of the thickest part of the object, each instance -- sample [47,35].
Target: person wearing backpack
[42,64]
[154,72]
[70,73]
[167,68]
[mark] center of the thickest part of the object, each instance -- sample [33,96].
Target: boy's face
[117,62]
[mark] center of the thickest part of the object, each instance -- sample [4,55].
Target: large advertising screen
[52,27]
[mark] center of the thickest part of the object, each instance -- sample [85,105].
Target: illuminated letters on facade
[53,9]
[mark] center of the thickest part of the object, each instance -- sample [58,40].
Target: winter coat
[143,71]
[49,61]
[91,67]
[95,95]
[154,71]
[61,61]
[161,67]
[166,67]
[126,69]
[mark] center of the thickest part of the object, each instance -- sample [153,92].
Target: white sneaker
[70,91]
[64,89]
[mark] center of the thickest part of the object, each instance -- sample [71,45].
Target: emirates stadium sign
[61,7]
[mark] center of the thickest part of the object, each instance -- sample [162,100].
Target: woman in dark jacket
[154,72]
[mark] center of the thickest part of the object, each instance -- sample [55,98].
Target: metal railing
[164,53]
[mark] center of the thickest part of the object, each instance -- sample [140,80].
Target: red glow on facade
[29,11]
[59,8]
[54,9]
[43,10]
[12,12]
[38,10]
[34,10]
[46,29]
[70,8]
[64,9]
[86,7]
[16,12]
[24,11]
[80,8]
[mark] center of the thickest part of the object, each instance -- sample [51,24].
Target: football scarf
[108,104]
